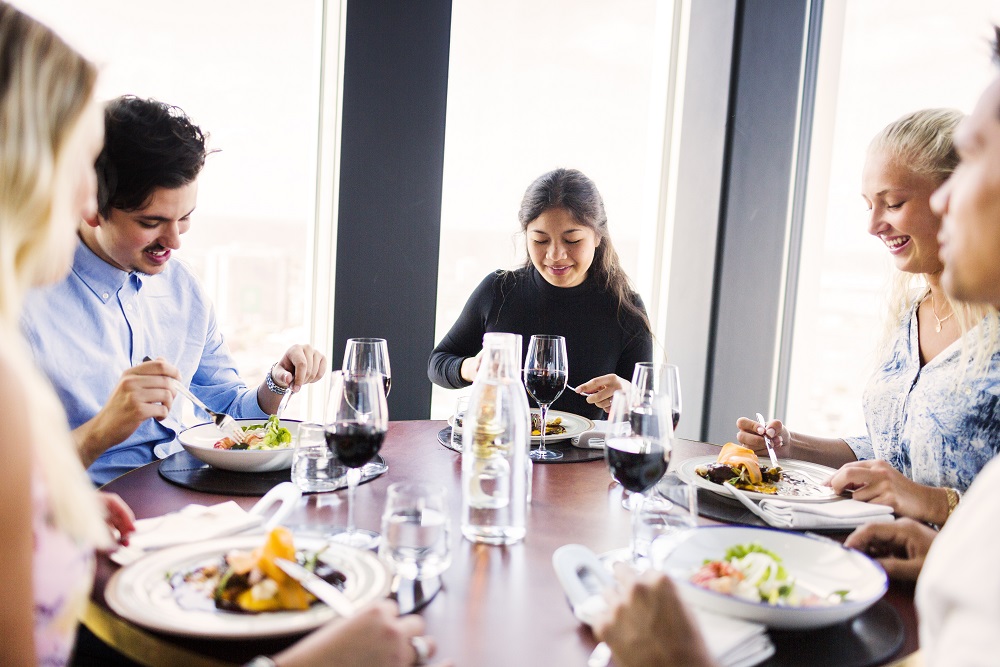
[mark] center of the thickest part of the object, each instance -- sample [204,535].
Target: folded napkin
[847,513]
[196,523]
[594,438]
[733,642]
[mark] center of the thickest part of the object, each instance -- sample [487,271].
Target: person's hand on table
[646,623]
[878,482]
[120,518]
[376,635]
[470,367]
[900,547]
[751,434]
[600,390]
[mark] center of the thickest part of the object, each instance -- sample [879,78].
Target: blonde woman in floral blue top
[932,407]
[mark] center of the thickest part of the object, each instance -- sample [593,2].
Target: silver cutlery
[767,441]
[223,422]
[326,592]
[283,404]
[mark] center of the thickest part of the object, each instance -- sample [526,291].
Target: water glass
[663,521]
[415,530]
[315,467]
[461,405]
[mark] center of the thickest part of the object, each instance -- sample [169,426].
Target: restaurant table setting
[528,538]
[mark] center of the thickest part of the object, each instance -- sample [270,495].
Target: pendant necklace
[940,320]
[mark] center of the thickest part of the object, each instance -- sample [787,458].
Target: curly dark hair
[572,191]
[147,145]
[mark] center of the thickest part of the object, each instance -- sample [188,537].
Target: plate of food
[230,588]
[560,426]
[268,447]
[793,480]
[781,579]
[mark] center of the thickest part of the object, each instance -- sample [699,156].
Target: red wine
[677,418]
[635,464]
[544,385]
[354,444]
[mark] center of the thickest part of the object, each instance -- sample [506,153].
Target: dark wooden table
[500,605]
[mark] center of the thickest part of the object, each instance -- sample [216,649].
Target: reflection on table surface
[498,606]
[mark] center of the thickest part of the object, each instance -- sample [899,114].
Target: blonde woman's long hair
[923,143]
[45,87]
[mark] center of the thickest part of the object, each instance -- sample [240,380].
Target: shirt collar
[103,279]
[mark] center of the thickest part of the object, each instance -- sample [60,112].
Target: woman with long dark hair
[572,285]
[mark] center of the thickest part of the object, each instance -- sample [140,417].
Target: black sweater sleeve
[465,339]
[638,343]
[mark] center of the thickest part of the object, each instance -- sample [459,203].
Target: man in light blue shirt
[125,300]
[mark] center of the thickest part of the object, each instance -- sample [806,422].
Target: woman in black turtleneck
[572,285]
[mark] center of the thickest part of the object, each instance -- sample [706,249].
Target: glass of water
[461,405]
[315,466]
[416,530]
[663,521]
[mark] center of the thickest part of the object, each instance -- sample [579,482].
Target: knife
[326,592]
[767,441]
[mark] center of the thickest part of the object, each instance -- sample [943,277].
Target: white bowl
[820,564]
[199,441]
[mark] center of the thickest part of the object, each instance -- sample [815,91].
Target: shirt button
[128,307]
[105,295]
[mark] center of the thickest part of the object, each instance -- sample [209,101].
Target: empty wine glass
[368,355]
[545,373]
[673,380]
[357,420]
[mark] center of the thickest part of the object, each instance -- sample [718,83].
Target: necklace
[940,320]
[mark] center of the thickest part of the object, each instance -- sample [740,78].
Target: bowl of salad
[781,579]
[269,445]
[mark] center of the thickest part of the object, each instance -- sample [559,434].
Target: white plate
[142,594]
[199,441]
[819,565]
[575,425]
[802,470]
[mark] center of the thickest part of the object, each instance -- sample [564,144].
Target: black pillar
[392,156]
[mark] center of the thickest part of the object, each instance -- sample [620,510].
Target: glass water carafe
[495,440]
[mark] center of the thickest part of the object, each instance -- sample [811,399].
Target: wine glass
[545,374]
[638,446]
[368,355]
[357,419]
[673,380]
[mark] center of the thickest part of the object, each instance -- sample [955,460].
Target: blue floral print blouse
[931,424]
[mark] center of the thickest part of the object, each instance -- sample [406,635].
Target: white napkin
[594,438]
[847,513]
[195,523]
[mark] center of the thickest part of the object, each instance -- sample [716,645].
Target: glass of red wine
[357,420]
[637,448]
[545,373]
[368,355]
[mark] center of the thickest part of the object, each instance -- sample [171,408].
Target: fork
[222,421]
[767,441]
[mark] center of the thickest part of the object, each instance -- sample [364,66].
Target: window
[249,74]
[879,60]
[532,87]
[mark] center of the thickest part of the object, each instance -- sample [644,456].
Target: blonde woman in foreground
[51,130]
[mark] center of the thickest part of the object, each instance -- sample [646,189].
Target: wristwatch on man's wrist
[274,386]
